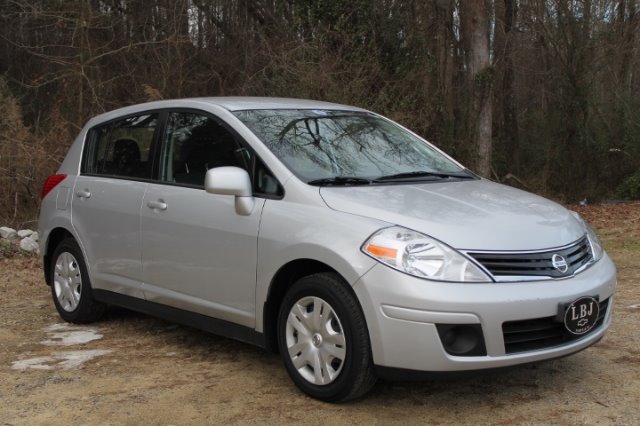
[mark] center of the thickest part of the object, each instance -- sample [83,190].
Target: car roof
[237,103]
[230,103]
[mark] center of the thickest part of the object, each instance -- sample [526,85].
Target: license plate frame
[581,316]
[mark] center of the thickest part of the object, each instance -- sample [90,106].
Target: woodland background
[539,94]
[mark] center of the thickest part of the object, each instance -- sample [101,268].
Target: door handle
[157,205]
[83,193]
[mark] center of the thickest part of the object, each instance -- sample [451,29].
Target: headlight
[594,241]
[596,245]
[421,256]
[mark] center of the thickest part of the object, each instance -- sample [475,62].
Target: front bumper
[402,312]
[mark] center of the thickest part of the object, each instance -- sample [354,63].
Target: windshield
[317,145]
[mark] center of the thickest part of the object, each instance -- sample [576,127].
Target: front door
[198,254]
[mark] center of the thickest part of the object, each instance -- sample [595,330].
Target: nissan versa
[325,232]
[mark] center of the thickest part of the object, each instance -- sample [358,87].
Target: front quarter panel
[291,231]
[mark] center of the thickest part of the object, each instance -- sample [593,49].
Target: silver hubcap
[67,281]
[315,340]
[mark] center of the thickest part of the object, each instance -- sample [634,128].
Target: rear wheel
[70,285]
[323,339]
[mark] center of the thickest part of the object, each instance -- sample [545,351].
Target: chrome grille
[536,264]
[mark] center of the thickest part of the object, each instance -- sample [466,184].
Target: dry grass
[161,373]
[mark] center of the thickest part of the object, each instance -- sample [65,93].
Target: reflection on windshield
[318,144]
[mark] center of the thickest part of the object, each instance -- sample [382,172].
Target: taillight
[51,182]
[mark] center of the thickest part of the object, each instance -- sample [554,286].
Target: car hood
[471,215]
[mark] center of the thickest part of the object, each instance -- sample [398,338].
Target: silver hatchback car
[325,232]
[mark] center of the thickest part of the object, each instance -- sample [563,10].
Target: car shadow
[498,387]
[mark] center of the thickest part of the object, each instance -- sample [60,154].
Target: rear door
[198,254]
[116,170]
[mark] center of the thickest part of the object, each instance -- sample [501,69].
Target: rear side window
[122,148]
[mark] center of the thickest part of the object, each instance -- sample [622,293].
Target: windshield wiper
[406,176]
[423,174]
[340,181]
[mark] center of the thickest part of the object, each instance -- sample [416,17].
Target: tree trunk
[629,20]
[475,37]
[507,130]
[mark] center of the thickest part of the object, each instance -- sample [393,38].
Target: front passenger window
[195,143]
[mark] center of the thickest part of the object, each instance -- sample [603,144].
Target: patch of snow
[73,359]
[65,360]
[63,334]
[66,335]
[39,363]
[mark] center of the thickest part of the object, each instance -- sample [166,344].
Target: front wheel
[323,339]
[70,285]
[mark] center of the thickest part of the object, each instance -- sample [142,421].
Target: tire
[70,285]
[335,341]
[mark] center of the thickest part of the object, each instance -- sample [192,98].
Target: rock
[35,236]
[8,233]
[29,245]
[23,233]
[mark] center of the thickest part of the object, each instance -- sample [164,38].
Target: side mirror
[231,181]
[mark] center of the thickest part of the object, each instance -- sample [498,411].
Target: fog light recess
[462,339]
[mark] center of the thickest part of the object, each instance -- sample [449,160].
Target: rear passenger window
[122,148]
[195,143]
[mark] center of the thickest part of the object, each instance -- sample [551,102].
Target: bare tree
[475,27]
[564,89]
[506,104]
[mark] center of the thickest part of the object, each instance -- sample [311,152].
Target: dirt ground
[133,369]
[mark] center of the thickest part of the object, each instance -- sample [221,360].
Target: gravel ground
[133,369]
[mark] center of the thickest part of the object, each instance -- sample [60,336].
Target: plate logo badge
[582,315]
[560,263]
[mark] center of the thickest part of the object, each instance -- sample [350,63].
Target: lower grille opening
[543,333]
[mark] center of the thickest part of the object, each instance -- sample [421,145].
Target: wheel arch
[55,237]
[284,278]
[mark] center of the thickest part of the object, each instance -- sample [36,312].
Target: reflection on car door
[106,201]
[198,254]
